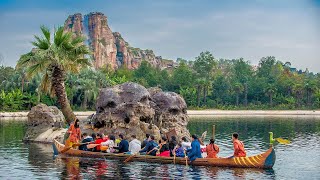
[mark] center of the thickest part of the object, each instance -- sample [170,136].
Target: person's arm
[120,146]
[70,128]
[192,152]
[236,149]
[145,149]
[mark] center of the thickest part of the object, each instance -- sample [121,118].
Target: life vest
[75,134]
[212,150]
[239,150]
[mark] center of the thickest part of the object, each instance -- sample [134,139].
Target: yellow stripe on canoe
[248,159]
[244,160]
[234,160]
[254,159]
[238,159]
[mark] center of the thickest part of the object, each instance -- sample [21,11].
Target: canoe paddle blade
[283,141]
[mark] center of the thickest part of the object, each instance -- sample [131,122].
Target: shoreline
[202,113]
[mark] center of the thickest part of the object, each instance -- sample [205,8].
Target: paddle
[90,146]
[280,140]
[73,145]
[131,157]
[185,156]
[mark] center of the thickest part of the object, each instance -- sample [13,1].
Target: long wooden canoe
[265,160]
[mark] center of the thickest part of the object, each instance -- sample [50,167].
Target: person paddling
[195,151]
[75,133]
[212,149]
[149,148]
[238,146]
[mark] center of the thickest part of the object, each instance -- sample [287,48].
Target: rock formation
[109,49]
[130,109]
[44,124]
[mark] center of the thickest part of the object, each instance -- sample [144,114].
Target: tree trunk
[309,98]
[204,95]
[59,88]
[271,97]
[245,94]
[198,95]
[22,83]
[237,99]
[84,103]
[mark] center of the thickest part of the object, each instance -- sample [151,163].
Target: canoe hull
[265,160]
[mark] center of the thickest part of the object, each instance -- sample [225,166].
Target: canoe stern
[270,160]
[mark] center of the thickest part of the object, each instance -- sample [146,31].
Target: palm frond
[45,85]
[46,33]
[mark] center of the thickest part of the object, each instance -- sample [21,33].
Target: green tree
[204,65]
[238,89]
[53,58]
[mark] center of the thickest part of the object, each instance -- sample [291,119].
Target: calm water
[299,160]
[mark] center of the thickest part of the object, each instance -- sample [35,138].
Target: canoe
[265,160]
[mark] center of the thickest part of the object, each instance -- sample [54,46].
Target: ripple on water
[299,160]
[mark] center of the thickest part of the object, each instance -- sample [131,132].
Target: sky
[252,29]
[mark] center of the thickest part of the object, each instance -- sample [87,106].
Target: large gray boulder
[130,109]
[44,124]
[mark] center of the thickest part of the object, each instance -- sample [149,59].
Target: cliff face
[109,49]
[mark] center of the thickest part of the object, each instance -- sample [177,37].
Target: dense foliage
[204,83]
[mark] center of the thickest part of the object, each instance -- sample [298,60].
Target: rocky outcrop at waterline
[130,109]
[127,108]
[45,123]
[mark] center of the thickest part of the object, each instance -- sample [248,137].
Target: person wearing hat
[195,151]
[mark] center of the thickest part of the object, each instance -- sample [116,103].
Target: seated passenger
[98,140]
[86,139]
[172,144]
[134,145]
[195,151]
[212,149]
[185,144]
[179,151]
[149,148]
[238,146]
[110,144]
[163,148]
[145,142]
[123,145]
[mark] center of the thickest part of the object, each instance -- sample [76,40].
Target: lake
[299,160]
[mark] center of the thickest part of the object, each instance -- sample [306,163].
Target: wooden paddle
[73,145]
[90,146]
[131,157]
[185,156]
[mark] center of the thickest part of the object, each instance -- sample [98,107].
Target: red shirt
[239,150]
[98,141]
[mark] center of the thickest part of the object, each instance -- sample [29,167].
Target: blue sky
[287,29]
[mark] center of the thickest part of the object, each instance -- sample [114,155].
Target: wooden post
[213,131]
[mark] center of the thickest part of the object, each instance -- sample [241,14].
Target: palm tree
[238,88]
[270,90]
[298,90]
[53,58]
[310,87]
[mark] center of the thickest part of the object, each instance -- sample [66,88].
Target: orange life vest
[239,150]
[212,150]
[75,134]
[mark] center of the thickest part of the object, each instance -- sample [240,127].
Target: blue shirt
[195,151]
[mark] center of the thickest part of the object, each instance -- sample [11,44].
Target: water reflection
[298,160]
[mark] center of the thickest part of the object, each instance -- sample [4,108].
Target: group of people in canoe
[165,148]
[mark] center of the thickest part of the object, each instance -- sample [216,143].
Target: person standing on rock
[74,133]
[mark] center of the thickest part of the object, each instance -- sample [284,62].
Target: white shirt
[134,146]
[186,145]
